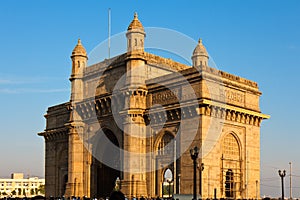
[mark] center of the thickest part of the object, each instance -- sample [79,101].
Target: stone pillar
[75,163]
[50,166]
[134,179]
[87,173]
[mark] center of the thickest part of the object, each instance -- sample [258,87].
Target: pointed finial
[200,41]
[79,49]
[135,23]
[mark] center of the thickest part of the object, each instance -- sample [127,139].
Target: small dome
[135,24]
[79,50]
[200,50]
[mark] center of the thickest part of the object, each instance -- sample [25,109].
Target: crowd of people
[115,195]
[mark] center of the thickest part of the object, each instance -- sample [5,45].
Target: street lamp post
[290,180]
[201,168]
[256,188]
[194,155]
[282,175]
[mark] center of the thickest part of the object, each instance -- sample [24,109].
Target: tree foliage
[41,189]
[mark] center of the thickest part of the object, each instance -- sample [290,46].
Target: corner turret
[200,56]
[79,60]
[135,35]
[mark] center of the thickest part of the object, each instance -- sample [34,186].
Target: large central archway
[103,176]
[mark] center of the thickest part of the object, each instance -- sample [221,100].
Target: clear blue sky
[258,40]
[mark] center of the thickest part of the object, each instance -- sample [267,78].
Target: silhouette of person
[117,195]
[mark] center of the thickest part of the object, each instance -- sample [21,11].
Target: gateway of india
[132,120]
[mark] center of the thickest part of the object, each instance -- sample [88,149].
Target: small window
[229,184]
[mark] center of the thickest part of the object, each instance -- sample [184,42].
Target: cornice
[55,134]
[204,108]
[234,108]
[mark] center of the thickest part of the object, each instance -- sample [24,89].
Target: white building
[18,186]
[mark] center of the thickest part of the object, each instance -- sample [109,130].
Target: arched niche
[165,163]
[231,164]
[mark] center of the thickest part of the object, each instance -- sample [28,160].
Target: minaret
[75,182]
[135,35]
[200,56]
[79,60]
[134,176]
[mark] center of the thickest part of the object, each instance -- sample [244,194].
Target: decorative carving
[233,116]
[238,117]
[208,110]
[101,106]
[230,115]
[213,111]
[165,97]
[231,96]
[223,115]
[251,120]
[170,115]
[247,119]
[178,113]
[243,118]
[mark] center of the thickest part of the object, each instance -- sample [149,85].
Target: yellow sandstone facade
[151,111]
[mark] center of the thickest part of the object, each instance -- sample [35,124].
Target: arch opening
[168,186]
[166,177]
[103,176]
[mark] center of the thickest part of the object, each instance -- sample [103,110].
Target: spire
[79,50]
[200,41]
[135,23]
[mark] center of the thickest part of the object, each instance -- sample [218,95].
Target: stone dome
[79,50]
[135,24]
[200,50]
